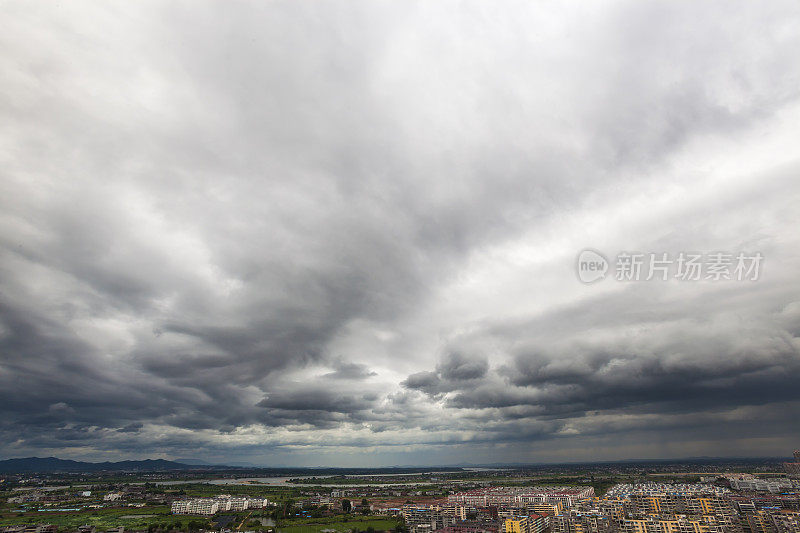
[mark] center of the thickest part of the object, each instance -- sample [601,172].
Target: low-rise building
[200,506]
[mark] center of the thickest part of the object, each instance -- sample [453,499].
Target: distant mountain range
[53,464]
[192,462]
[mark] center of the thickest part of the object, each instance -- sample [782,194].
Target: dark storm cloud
[202,210]
[451,373]
[458,367]
[345,370]
[423,381]
[685,369]
[131,428]
[313,406]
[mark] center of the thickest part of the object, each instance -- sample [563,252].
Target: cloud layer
[293,233]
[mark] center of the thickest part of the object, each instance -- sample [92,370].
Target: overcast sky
[345,232]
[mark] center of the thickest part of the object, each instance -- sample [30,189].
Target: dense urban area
[698,496]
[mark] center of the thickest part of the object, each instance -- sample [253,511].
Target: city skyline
[399,233]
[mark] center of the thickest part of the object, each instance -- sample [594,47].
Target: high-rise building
[793,469]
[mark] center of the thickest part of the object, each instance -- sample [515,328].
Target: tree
[346,506]
[287,508]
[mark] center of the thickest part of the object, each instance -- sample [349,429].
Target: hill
[53,464]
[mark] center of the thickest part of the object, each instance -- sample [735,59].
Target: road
[243,521]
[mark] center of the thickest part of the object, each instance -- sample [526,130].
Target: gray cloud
[451,374]
[202,211]
[457,367]
[345,370]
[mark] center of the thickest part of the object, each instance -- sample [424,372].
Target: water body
[284,481]
[269,481]
[59,487]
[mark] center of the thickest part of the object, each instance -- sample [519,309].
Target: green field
[378,524]
[141,518]
[134,518]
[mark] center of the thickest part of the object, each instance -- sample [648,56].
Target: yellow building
[517,524]
[524,524]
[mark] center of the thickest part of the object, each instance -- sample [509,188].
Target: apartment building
[580,522]
[420,518]
[199,506]
[656,504]
[762,485]
[524,524]
[521,496]
[655,525]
